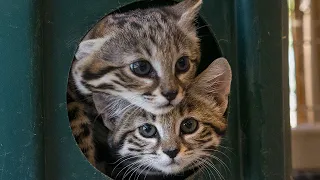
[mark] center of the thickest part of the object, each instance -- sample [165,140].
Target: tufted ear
[187,11]
[88,47]
[214,83]
[110,108]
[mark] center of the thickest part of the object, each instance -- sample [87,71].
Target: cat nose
[172,153]
[170,95]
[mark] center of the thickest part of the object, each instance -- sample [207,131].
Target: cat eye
[182,64]
[141,68]
[189,126]
[148,131]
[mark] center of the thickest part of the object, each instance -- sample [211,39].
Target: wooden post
[297,33]
[315,57]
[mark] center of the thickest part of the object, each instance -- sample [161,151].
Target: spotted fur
[81,129]
[206,101]
[102,63]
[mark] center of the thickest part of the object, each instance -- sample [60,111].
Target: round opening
[88,126]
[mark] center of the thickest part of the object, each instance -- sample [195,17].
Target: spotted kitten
[173,143]
[147,57]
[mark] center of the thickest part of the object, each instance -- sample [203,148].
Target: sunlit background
[304,82]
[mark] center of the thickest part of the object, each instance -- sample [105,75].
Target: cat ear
[187,10]
[110,108]
[87,47]
[214,83]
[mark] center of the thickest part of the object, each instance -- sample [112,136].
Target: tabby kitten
[146,56]
[172,143]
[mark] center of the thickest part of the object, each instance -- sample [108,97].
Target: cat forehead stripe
[89,75]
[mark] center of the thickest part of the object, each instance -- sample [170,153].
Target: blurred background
[304,78]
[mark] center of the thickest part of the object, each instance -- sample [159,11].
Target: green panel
[65,23]
[21,136]
[263,88]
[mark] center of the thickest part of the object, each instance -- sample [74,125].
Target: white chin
[157,110]
[153,108]
[171,169]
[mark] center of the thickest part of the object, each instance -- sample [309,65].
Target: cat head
[147,57]
[177,141]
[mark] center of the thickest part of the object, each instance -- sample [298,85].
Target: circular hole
[83,115]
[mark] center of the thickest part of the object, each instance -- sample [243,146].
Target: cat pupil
[141,68]
[189,126]
[183,64]
[148,130]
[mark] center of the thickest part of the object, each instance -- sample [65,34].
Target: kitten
[146,56]
[171,143]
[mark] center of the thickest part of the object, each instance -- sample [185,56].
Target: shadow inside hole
[209,51]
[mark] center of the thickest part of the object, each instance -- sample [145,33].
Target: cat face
[147,57]
[179,140]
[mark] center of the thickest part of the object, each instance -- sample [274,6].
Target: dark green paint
[38,40]
[263,81]
[21,113]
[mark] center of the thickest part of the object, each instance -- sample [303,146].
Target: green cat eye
[148,130]
[141,68]
[189,126]
[182,64]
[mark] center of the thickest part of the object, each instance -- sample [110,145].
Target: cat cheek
[147,82]
[185,80]
[179,97]
[148,98]
[216,141]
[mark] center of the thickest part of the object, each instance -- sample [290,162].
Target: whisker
[214,168]
[220,161]
[127,166]
[215,150]
[203,26]
[207,168]
[223,164]
[201,167]
[144,168]
[129,170]
[132,171]
[228,149]
[145,174]
[130,157]
[120,159]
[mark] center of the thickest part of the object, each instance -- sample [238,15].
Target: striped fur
[160,36]
[102,63]
[206,101]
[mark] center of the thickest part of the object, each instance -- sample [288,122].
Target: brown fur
[84,139]
[101,64]
[206,101]
[158,35]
